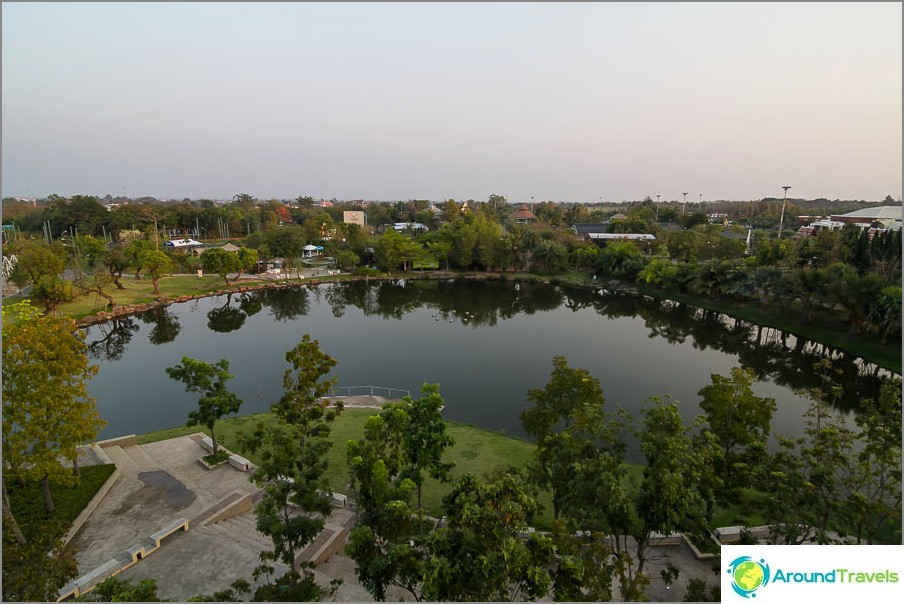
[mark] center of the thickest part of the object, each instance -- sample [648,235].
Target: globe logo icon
[748,575]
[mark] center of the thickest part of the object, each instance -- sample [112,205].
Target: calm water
[485,343]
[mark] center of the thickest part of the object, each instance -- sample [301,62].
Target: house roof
[178,243]
[871,214]
[631,236]
[231,247]
[587,228]
[523,213]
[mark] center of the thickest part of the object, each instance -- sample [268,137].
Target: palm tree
[884,314]
[806,286]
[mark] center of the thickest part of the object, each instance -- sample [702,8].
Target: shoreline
[611,284]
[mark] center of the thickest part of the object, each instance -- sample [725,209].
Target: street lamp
[684,209]
[657,198]
[781,221]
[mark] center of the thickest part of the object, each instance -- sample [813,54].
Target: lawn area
[142,291]
[477,451]
[27,501]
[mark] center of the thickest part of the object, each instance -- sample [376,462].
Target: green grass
[477,451]
[27,500]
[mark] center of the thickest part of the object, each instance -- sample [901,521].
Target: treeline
[846,271]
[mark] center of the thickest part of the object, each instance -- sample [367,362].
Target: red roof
[522,213]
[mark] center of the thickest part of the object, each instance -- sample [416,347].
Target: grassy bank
[477,451]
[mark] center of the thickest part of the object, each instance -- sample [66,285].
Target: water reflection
[111,339]
[772,354]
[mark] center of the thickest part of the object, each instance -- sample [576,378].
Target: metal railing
[340,391]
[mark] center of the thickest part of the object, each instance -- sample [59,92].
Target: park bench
[239,462]
[207,443]
[169,529]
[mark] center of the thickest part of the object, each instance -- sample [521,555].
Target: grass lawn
[477,451]
[142,291]
[27,500]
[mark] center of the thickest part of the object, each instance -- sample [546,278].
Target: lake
[485,342]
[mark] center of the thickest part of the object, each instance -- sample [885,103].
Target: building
[888,216]
[414,226]
[353,217]
[522,214]
[183,245]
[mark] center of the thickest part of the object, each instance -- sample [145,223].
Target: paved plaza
[163,482]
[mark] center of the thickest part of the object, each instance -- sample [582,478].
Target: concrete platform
[163,481]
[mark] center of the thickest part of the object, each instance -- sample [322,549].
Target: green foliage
[620,259]
[35,571]
[740,422]
[221,262]
[123,590]
[156,264]
[233,593]
[210,382]
[36,260]
[292,466]
[47,411]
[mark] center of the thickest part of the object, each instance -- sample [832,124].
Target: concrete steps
[122,459]
[140,458]
[241,529]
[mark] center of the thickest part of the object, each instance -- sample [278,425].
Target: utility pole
[781,221]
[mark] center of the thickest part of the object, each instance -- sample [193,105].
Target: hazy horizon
[562,101]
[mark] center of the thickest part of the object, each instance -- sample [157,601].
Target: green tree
[52,291]
[854,292]
[134,253]
[35,570]
[47,411]
[806,286]
[157,264]
[672,496]
[293,463]
[36,260]
[116,262]
[424,438]
[874,483]
[740,422]
[113,589]
[209,381]
[247,260]
[884,315]
[579,449]
[620,259]
[221,262]
[480,555]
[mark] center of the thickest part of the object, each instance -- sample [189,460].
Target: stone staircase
[239,529]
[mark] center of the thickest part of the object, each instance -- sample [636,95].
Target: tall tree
[208,380]
[424,437]
[47,411]
[157,264]
[740,421]
[221,262]
[293,458]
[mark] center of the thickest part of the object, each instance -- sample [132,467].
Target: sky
[558,101]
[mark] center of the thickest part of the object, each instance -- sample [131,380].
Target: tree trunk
[48,498]
[213,439]
[156,288]
[75,468]
[10,519]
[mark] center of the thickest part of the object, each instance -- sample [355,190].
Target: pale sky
[567,102]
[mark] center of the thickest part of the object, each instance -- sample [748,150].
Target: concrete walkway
[164,481]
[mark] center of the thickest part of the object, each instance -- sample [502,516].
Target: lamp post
[781,221]
[684,209]
[657,198]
